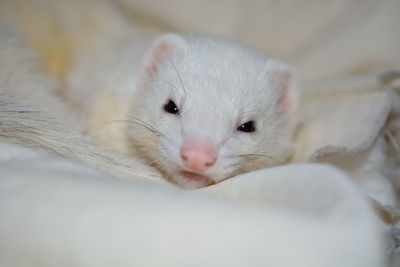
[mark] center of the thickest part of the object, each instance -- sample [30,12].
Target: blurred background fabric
[321,38]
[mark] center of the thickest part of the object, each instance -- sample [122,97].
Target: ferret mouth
[196,177]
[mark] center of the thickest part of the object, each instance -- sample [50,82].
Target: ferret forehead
[231,101]
[218,76]
[217,62]
[217,51]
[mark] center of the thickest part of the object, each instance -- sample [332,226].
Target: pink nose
[198,155]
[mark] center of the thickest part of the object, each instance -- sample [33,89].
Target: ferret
[198,108]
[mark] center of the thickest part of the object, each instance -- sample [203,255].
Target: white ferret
[198,108]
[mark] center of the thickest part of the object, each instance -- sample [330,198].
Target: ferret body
[198,108]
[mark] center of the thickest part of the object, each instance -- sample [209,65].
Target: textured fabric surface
[58,212]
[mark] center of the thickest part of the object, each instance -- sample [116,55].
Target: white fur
[33,115]
[29,127]
[217,84]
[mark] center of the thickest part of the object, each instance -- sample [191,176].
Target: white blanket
[55,212]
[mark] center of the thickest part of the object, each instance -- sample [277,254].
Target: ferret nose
[198,155]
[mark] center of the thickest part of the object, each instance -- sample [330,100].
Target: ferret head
[209,108]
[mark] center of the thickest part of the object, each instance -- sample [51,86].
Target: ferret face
[209,108]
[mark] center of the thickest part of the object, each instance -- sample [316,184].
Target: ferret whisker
[145,142]
[169,83]
[233,166]
[177,73]
[152,162]
[259,155]
[139,122]
[145,124]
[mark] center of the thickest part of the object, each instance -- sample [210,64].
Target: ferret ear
[163,48]
[281,76]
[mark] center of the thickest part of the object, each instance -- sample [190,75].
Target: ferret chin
[198,108]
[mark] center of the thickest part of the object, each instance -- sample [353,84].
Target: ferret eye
[247,127]
[170,107]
